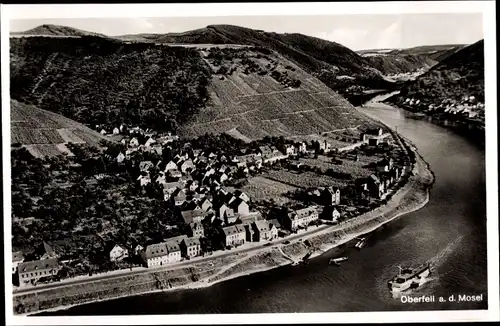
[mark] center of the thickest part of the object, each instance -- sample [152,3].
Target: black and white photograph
[224,161]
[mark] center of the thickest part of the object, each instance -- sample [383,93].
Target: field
[44,133]
[257,103]
[303,180]
[263,189]
[356,169]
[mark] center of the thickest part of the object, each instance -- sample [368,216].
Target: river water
[449,232]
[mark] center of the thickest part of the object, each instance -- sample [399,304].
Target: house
[324,145]
[170,166]
[264,151]
[144,166]
[103,132]
[158,149]
[149,142]
[229,216]
[45,251]
[330,196]
[239,206]
[161,179]
[289,149]
[134,142]
[221,210]
[240,194]
[300,218]
[187,165]
[138,250]
[156,255]
[385,165]
[330,213]
[116,131]
[120,157]
[178,197]
[175,174]
[174,251]
[302,147]
[375,186]
[144,180]
[129,151]
[17,258]
[32,271]
[234,235]
[263,230]
[170,187]
[205,204]
[197,230]
[249,232]
[193,216]
[196,152]
[193,185]
[276,223]
[192,247]
[222,177]
[118,253]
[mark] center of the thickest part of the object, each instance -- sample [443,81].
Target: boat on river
[337,261]
[361,243]
[409,278]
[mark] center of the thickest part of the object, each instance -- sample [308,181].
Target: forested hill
[100,81]
[249,92]
[459,75]
[334,64]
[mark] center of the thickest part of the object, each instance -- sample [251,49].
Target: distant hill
[390,64]
[334,64]
[56,30]
[434,52]
[398,61]
[460,74]
[248,92]
[45,133]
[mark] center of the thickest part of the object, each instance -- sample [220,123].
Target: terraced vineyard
[250,97]
[45,133]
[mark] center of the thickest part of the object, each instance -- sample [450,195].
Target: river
[449,232]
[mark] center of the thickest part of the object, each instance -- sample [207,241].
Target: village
[201,187]
[468,107]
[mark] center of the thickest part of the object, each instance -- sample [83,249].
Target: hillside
[335,65]
[249,92]
[46,133]
[255,92]
[459,75]
[100,81]
[434,52]
[391,64]
[56,30]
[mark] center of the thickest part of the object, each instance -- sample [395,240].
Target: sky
[357,32]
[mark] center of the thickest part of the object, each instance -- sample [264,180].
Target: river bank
[411,197]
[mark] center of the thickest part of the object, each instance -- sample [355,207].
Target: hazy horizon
[357,32]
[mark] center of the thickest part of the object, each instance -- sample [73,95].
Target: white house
[144,180]
[134,142]
[120,157]
[170,166]
[118,253]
